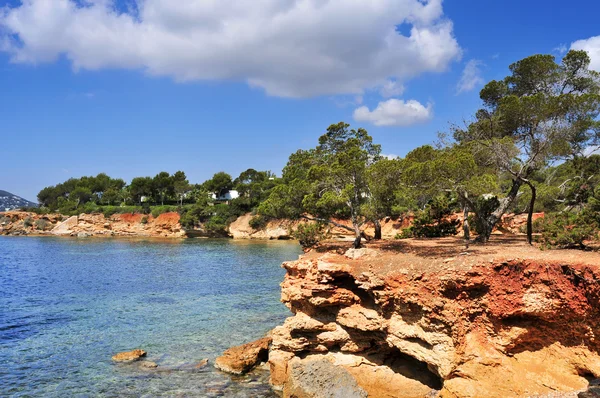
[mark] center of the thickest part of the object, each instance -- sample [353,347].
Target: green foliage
[219,184]
[328,181]
[158,210]
[110,210]
[309,234]
[540,113]
[567,230]
[484,205]
[258,222]
[28,222]
[433,222]
[406,233]
[144,220]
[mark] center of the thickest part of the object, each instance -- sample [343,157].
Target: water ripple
[67,305]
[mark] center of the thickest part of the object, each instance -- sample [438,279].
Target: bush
[258,222]
[158,210]
[486,205]
[426,227]
[309,235]
[28,222]
[405,234]
[144,220]
[43,224]
[566,230]
[432,222]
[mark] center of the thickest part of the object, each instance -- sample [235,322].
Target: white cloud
[471,77]
[395,112]
[390,156]
[592,46]
[391,88]
[293,48]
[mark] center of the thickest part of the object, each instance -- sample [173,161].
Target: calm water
[68,305]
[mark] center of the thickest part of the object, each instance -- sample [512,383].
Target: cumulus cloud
[290,48]
[592,46]
[471,77]
[395,112]
[390,156]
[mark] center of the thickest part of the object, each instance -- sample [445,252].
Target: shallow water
[68,305]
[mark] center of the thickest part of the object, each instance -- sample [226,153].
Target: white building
[232,194]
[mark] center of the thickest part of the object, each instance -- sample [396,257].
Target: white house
[229,195]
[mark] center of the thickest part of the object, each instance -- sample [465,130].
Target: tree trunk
[488,223]
[357,232]
[530,213]
[466,228]
[377,230]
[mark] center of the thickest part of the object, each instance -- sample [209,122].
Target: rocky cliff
[127,225]
[425,318]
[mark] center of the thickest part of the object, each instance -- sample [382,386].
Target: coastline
[427,318]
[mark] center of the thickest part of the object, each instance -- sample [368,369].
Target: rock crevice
[492,328]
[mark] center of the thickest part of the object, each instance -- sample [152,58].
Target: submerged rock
[201,364]
[148,365]
[241,359]
[129,356]
[319,378]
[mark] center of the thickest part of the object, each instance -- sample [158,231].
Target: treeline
[523,151]
[197,203]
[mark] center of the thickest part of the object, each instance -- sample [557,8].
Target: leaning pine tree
[542,112]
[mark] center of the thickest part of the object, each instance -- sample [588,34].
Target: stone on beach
[241,359]
[319,378]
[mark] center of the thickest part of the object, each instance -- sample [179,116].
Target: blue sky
[133,90]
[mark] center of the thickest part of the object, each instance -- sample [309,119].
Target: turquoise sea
[68,305]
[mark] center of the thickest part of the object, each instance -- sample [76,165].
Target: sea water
[68,305]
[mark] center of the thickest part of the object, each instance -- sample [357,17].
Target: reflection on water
[67,305]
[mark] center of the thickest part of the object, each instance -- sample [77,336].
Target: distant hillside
[9,201]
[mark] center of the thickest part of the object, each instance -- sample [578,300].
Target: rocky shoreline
[167,225]
[18,223]
[427,319]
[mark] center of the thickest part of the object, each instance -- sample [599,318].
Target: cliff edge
[426,318]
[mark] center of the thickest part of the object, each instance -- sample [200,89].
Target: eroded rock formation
[433,321]
[240,359]
[165,225]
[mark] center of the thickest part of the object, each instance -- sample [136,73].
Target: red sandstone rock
[480,324]
[129,356]
[241,359]
[130,225]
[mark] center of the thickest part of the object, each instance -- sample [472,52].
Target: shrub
[309,235]
[405,234]
[566,230]
[28,222]
[42,224]
[258,222]
[144,220]
[158,210]
[486,204]
[4,219]
[426,226]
